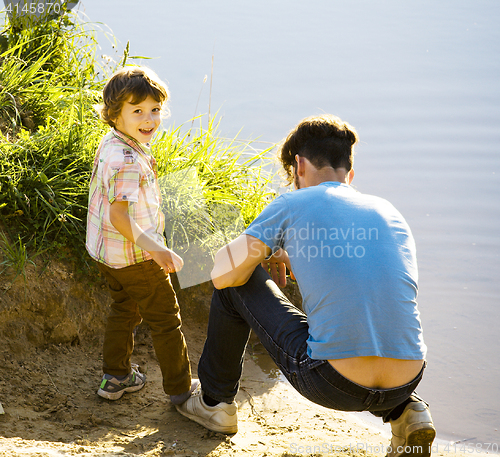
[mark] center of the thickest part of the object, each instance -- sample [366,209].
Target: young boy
[125,236]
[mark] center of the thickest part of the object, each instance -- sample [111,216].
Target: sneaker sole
[418,442]
[226,429]
[119,394]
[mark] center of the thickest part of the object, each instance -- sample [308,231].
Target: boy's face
[139,121]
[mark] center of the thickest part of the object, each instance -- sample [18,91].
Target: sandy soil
[50,368]
[51,408]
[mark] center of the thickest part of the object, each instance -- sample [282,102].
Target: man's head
[131,86]
[325,141]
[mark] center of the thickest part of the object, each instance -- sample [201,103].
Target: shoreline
[274,419]
[49,380]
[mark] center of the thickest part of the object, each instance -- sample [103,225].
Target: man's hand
[276,265]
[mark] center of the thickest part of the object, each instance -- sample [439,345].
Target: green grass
[15,256]
[49,131]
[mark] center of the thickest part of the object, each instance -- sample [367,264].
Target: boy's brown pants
[143,291]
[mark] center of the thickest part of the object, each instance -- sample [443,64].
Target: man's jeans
[283,330]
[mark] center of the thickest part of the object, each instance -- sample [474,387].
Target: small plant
[15,256]
[212,187]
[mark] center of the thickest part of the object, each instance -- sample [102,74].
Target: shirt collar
[132,142]
[334,184]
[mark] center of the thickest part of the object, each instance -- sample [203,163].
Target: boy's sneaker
[413,432]
[222,418]
[113,388]
[181,398]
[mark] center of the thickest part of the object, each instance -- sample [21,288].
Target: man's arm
[235,262]
[121,220]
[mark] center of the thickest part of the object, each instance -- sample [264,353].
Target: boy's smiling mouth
[146,131]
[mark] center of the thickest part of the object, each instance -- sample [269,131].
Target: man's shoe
[413,432]
[113,388]
[222,418]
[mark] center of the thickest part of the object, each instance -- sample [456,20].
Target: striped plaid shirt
[123,171]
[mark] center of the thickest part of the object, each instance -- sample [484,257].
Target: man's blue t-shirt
[354,259]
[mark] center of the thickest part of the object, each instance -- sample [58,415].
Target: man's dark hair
[326,141]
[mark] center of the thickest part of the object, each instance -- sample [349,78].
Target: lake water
[420,81]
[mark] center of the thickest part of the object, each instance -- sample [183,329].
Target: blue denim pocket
[315,383]
[321,383]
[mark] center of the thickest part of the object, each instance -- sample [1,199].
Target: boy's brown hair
[323,140]
[135,83]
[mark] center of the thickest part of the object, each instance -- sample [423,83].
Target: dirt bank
[50,360]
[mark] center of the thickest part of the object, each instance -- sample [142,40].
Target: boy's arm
[121,220]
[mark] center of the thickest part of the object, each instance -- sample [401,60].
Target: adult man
[359,345]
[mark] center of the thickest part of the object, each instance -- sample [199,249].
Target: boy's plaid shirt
[123,171]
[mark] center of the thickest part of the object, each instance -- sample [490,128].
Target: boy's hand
[168,260]
[164,257]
